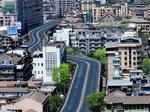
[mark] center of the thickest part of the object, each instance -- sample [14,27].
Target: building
[14,66]
[94,12]
[63,35]
[86,8]
[139,10]
[30,14]
[118,84]
[32,102]
[88,40]
[12,92]
[46,60]
[63,6]
[7,19]
[142,25]
[118,101]
[129,50]
[113,66]
[8,42]
[49,10]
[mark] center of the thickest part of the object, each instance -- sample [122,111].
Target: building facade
[30,14]
[44,62]
[7,19]
[63,6]
[129,50]
[88,40]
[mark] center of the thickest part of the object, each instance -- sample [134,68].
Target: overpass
[86,79]
[38,35]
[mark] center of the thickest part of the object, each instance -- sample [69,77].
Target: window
[125,53]
[134,63]
[125,63]
[119,53]
[134,58]
[125,58]
[38,72]
[41,64]
[134,52]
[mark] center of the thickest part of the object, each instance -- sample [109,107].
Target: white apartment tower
[44,62]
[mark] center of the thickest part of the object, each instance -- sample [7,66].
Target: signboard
[18,25]
[12,30]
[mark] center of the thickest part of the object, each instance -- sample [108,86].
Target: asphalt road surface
[85,82]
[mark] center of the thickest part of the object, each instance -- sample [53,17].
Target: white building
[45,61]
[63,35]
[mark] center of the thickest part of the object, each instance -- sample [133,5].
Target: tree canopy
[146,66]
[55,103]
[8,7]
[100,54]
[61,76]
[95,101]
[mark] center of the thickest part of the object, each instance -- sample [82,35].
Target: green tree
[61,76]
[100,54]
[95,101]
[9,6]
[146,66]
[55,102]
[70,51]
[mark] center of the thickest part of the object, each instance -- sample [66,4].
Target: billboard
[12,30]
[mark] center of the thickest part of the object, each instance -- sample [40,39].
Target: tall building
[46,60]
[49,10]
[129,50]
[63,6]
[30,14]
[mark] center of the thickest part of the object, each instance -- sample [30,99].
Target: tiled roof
[116,98]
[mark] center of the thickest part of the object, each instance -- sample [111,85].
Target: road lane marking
[84,86]
[71,86]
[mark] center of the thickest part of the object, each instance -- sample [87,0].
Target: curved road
[85,81]
[38,34]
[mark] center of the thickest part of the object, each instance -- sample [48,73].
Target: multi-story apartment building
[44,62]
[63,6]
[30,14]
[89,40]
[7,19]
[113,65]
[98,11]
[142,25]
[49,9]
[129,50]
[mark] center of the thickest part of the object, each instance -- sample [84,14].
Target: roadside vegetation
[72,51]
[9,7]
[100,54]
[146,66]
[96,102]
[61,76]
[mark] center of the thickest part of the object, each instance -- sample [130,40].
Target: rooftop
[119,83]
[14,90]
[120,97]
[37,96]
